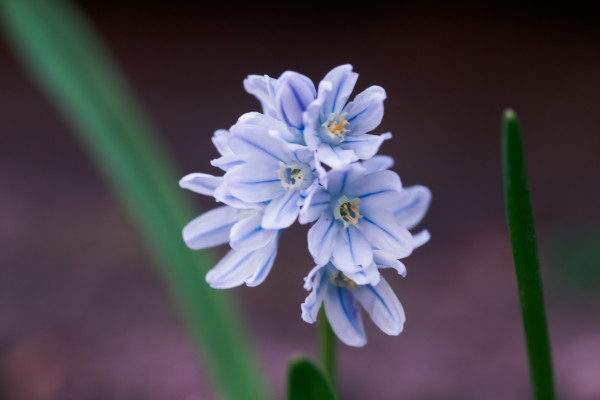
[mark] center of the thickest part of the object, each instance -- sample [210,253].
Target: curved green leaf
[68,61]
[307,382]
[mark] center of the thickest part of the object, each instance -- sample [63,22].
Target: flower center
[295,176]
[335,128]
[347,211]
[341,280]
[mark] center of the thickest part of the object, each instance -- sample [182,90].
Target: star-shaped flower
[354,217]
[340,296]
[338,131]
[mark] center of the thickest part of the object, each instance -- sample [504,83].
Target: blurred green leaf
[307,382]
[62,52]
[522,236]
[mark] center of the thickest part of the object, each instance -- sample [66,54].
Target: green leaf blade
[523,240]
[63,54]
[307,382]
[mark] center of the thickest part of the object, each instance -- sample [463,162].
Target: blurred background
[84,315]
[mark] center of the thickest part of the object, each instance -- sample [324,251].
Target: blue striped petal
[248,234]
[317,201]
[381,229]
[201,183]
[321,238]
[211,228]
[254,185]
[293,95]
[344,316]
[239,267]
[366,111]
[351,252]
[282,211]
[342,83]
[412,205]
[383,306]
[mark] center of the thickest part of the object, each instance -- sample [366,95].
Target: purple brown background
[83,314]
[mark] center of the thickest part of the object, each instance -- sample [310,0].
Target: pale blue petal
[294,93]
[301,153]
[238,267]
[264,263]
[342,81]
[231,271]
[226,162]
[282,211]
[381,229]
[272,126]
[339,180]
[365,276]
[412,205]
[309,279]
[211,228]
[312,304]
[364,145]
[344,316]
[201,183]
[377,190]
[335,156]
[254,144]
[321,238]
[386,260]
[377,163]
[223,195]
[419,239]
[320,171]
[366,111]
[311,117]
[383,306]
[261,87]
[317,201]
[256,184]
[221,141]
[351,252]
[248,234]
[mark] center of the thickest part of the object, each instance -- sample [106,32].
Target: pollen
[337,125]
[347,211]
[341,280]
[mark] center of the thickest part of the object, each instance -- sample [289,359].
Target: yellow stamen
[341,280]
[348,211]
[337,125]
[338,128]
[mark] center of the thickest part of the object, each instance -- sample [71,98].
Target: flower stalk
[327,347]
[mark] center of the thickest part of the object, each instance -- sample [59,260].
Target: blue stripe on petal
[257,146]
[372,290]
[263,271]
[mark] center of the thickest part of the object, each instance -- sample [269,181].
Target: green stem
[522,236]
[327,347]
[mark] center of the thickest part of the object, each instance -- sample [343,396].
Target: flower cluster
[310,157]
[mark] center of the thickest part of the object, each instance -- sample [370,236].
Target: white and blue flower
[285,98]
[273,171]
[341,296]
[353,216]
[253,249]
[338,131]
[273,176]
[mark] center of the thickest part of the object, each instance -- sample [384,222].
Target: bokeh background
[83,314]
